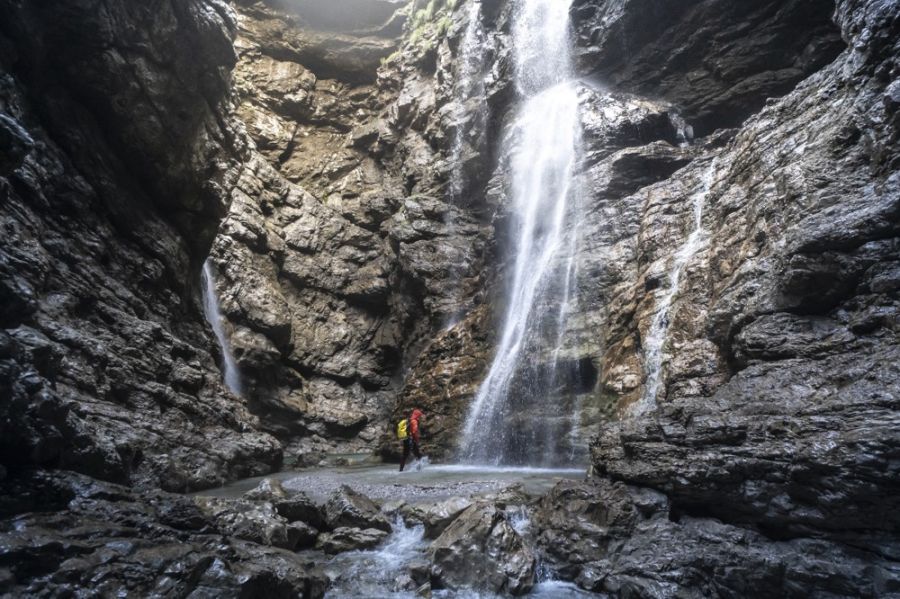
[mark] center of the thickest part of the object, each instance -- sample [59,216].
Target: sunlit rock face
[342,254]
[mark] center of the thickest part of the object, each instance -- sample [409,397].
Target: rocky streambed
[442,531]
[439,531]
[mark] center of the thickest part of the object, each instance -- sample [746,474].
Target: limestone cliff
[335,259]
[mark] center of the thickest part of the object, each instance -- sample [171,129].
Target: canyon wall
[121,160]
[340,257]
[353,273]
[777,413]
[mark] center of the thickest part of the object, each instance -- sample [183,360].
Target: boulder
[347,538]
[253,521]
[347,508]
[304,534]
[576,521]
[92,537]
[481,550]
[435,517]
[300,508]
[269,489]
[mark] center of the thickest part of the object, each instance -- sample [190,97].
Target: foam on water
[378,572]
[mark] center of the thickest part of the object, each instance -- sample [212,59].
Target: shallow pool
[419,482]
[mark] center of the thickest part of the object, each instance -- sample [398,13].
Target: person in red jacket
[411,442]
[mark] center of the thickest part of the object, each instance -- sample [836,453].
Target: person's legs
[406,445]
[415,450]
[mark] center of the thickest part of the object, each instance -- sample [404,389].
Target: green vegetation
[429,22]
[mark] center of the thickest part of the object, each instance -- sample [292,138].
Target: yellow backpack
[403,429]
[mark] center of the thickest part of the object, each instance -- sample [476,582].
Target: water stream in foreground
[373,574]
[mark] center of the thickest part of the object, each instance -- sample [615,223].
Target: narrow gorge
[637,261]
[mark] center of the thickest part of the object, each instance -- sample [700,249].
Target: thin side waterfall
[213,312]
[470,117]
[503,424]
[470,63]
[656,337]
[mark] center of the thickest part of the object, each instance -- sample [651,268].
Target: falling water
[544,145]
[656,336]
[470,117]
[214,317]
[683,130]
[374,573]
[470,114]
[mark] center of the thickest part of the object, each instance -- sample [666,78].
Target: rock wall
[639,114]
[120,163]
[774,425]
[407,302]
[781,401]
[334,261]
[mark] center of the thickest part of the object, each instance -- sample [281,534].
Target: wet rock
[780,44]
[575,522]
[782,336]
[482,551]
[113,375]
[115,541]
[350,539]
[305,534]
[254,521]
[435,516]
[269,489]
[298,507]
[647,546]
[16,143]
[420,572]
[347,508]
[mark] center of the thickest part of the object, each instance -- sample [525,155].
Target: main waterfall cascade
[542,149]
[213,312]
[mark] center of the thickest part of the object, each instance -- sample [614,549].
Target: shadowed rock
[345,538]
[481,550]
[347,508]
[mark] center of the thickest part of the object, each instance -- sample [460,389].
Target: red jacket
[414,424]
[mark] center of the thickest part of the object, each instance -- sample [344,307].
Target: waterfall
[543,146]
[214,316]
[470,118]
[656,335]
[469,86]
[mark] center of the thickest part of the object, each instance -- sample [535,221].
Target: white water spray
[656,336]
[213,314]
[544,144]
